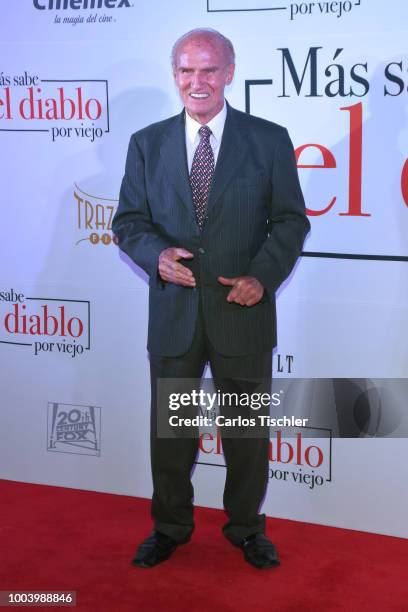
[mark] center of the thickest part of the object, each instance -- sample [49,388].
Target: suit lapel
[174,156]
[233,148]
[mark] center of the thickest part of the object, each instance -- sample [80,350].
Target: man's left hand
[246,290]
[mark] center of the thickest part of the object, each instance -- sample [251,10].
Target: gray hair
[223,40]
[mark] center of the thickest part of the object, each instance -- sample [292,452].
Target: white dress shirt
[216,126]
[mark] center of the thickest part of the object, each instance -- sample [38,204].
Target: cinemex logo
[74,108]
[303,459]
[58,5]
[76,6]
[94,216]
[48,325]
[74,429]
[295,10]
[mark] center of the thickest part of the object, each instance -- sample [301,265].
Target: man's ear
[230,73]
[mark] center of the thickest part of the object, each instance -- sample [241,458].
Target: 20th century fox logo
[74,429]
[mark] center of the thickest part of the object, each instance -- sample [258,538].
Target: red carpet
[63,539]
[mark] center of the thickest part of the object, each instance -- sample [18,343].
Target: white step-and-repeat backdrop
[77,77]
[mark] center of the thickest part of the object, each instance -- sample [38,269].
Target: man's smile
[199,96]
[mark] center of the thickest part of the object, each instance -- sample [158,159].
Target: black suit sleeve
[288,222]
[132,223]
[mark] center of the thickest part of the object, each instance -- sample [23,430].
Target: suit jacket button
[201,250]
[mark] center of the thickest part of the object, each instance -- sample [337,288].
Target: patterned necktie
[201,174]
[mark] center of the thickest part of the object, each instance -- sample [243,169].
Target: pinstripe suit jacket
[255,225]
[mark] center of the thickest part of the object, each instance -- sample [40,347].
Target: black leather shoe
[259,551]
[156,548]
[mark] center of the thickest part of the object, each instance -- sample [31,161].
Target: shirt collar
[216,125]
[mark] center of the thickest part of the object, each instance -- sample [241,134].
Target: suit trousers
[172,459]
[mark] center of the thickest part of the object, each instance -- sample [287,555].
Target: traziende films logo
[74,429]
[93,217]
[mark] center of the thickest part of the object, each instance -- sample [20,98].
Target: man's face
[201,73]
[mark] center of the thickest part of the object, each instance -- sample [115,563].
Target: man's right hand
[173,272]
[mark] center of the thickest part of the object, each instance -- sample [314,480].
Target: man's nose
[197,81]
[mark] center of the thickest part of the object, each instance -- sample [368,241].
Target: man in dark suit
[211,208]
